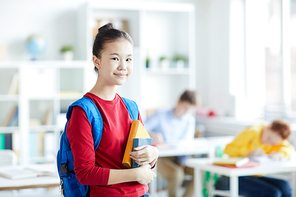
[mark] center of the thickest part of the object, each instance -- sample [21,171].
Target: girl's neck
[104,91]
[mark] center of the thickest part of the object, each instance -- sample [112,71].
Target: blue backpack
[69,185]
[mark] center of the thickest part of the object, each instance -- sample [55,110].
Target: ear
[96,62]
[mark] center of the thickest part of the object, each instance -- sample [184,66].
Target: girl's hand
[145,155]
[256,153]
[276,156]
[144,174]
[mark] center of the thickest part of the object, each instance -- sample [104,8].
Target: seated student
[168,126]
[261,140]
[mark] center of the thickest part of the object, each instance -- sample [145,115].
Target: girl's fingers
[139,157]
[141,161]
[138,153]
[139,150]
[140,147]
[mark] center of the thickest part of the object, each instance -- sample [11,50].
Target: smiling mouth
[120,74]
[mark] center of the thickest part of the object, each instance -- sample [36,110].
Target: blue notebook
[140,142]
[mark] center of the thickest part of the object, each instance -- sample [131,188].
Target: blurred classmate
[261,141]
[170,126]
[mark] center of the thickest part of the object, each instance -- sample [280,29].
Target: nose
[122,65]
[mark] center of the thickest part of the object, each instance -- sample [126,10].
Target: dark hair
[281,127]
[190,96]
[107,33]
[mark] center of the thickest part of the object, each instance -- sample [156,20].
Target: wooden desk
[36,182]
[200,165]
[203,145]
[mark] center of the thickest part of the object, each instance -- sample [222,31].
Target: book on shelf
[48,117]
[16,143]
[33,145]
[139,142]
[49,149]
[41,142]
[121,24]
[13,86]
[2,141]
[41,145]
[11,119]
[137,130]
[10,141]
[6,141]
[36,139]
[232,161]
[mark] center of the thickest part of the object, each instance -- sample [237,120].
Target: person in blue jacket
[170,126]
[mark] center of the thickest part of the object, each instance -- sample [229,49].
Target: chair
[212,192]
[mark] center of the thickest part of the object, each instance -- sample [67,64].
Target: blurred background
[239,55]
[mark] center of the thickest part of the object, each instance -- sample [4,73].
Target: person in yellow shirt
[261,141]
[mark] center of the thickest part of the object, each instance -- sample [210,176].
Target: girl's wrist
[135,173]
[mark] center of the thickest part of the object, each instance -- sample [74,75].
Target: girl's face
[270,137]
[116,63]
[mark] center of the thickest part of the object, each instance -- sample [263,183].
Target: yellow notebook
[137,130]
[232,161]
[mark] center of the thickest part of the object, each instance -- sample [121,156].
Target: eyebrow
[118,54]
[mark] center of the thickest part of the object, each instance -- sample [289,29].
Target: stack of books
[138,136]
[235,162]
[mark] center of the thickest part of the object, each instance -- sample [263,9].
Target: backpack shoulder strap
[95,118]
[93,115]
[132,107]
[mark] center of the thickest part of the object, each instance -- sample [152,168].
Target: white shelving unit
[158,29]
[45,90]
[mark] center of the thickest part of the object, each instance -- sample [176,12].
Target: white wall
[56,21]
[213,52]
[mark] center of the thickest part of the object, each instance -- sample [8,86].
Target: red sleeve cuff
[105,176]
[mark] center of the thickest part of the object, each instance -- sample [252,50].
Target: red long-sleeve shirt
[93,167]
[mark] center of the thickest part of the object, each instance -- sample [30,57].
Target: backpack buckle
[64,169]
[61,188]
